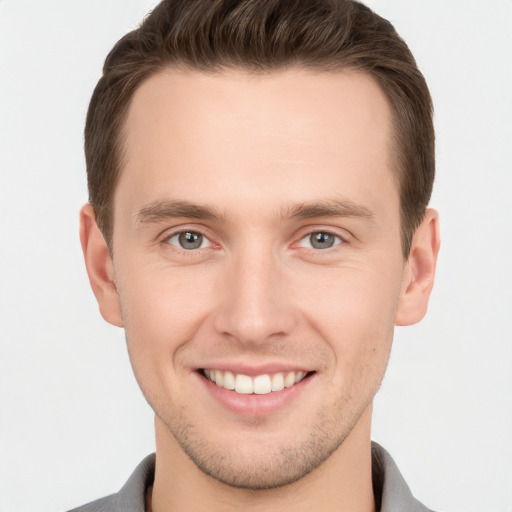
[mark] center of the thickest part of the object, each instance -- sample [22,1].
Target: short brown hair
[264,35]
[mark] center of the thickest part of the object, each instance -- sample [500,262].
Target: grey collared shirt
[392,494]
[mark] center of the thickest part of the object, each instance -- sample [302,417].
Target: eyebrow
[158,211]
[330,208]
[163,210]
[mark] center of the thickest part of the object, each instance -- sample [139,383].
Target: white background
[73,423]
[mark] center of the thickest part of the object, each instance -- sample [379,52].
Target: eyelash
[339,241]
[169,236]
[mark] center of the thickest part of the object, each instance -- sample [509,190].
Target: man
[259,174]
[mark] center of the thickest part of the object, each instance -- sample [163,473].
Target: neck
[342,483]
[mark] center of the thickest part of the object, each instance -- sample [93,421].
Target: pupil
[322,240]
[190,240]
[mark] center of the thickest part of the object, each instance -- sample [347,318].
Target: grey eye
[320,240]
[189,240]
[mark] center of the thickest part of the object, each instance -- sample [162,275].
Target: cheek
[162,310]
[354,311]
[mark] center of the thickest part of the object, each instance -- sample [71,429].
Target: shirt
[392,494]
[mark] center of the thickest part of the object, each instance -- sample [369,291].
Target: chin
[262,470]
[263,460]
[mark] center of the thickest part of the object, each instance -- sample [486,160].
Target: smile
[258,385]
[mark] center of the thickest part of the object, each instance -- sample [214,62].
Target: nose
[255,305]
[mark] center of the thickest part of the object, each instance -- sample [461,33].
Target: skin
[256,164]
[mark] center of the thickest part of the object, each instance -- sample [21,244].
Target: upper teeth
[260,385]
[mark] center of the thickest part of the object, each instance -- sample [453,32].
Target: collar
[392,494]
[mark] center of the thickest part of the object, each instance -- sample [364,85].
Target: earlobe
[99,267]
[420,272]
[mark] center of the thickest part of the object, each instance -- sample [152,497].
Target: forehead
[236,134]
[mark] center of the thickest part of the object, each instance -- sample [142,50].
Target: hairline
[395,152]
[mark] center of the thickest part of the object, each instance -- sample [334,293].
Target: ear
[99,267]
[420,271]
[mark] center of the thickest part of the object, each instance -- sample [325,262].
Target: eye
[320,240]
[188,240]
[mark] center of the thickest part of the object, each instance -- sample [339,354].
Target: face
[257,262]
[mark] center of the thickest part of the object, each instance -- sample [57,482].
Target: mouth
[258,385]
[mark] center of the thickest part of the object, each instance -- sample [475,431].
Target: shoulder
[106,504]
[131,497]
[392,494]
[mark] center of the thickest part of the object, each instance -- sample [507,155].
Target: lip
[254,405]
[253,370]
